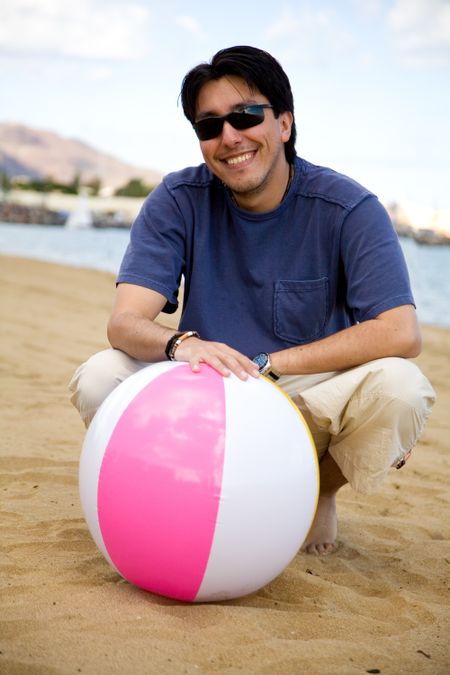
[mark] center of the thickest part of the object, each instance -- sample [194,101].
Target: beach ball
[196,486]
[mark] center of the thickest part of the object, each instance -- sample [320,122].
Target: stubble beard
[256,185]
[252,186]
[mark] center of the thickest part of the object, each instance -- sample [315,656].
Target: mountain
[40,154]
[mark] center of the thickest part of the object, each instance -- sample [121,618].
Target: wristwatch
[262,360]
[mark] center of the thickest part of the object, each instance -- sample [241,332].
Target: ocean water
[102,249]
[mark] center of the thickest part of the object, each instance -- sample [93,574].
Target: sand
[377,605]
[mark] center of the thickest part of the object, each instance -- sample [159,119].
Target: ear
[285,119]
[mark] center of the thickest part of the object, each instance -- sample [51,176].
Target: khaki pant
[368,418]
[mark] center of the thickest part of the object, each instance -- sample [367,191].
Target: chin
[245,185]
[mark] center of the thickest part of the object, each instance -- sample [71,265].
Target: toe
[311,549]
[319,549]
[326,548]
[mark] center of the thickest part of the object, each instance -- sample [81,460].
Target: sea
[103,248]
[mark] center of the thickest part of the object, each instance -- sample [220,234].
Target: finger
[219,356]
[244,367]
[237,364]
[218,364]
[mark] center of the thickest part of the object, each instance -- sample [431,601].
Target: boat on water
[81,217]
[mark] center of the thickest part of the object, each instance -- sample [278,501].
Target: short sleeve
[155,256]
[376,274]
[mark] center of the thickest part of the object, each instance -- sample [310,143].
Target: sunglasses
[250,116]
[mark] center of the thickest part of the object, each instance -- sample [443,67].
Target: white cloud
[310,35]
[284,25]
[369,8]
[85,29]
[191,25]
[421,31]
[100,72]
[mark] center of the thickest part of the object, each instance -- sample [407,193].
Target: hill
[40,154]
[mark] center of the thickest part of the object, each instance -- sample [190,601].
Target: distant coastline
[36,208]
[422,235]
[26,207]
[425,225]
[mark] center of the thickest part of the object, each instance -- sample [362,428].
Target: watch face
[261,360]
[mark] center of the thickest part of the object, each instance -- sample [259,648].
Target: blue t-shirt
[326,258]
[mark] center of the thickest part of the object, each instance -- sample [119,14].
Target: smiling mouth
[233,161]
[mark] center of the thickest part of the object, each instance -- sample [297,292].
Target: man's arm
[132,329]
[393,333]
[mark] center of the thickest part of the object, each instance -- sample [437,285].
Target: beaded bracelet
[175,342]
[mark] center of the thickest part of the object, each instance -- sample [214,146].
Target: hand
[219,356]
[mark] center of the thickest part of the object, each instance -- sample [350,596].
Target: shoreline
[106,267]
[425,226]
[379,603]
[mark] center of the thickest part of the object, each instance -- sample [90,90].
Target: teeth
[241,158]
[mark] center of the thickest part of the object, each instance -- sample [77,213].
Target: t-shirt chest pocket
[300,309]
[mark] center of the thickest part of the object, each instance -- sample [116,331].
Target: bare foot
[321,539]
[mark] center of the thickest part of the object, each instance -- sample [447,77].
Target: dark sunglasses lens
[208,128]
[244,120]
[211,127]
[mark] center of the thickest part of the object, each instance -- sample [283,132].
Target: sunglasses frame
[254,112]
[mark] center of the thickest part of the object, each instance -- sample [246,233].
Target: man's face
[251,162]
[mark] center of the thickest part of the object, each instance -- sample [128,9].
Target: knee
[92,382]
[400,379]
[96,375]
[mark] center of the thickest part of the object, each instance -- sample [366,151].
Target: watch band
[269,372]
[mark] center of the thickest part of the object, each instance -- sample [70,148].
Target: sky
[371,79]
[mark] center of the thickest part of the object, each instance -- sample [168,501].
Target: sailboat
[81,216]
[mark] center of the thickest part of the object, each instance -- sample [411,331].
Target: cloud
[285,24]
[420,30]
[87,29]
[310,35]
[191,25]
[369,8]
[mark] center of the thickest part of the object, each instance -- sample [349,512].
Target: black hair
[257,68]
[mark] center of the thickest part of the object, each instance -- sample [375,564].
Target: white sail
[81,216]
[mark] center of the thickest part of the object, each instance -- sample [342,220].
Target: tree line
[134,188]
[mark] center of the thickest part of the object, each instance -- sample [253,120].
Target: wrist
[175,341]
[265,366]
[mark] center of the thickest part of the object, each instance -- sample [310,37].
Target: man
[291,270]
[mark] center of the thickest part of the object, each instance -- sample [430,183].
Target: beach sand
[379,604]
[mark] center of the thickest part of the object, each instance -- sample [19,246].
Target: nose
[230,135]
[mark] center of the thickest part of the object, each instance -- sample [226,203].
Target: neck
[268,195]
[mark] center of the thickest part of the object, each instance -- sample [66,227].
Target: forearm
[146,340]
[373,339]
[139,337]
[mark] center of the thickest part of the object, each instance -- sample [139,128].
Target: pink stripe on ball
[160,482]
